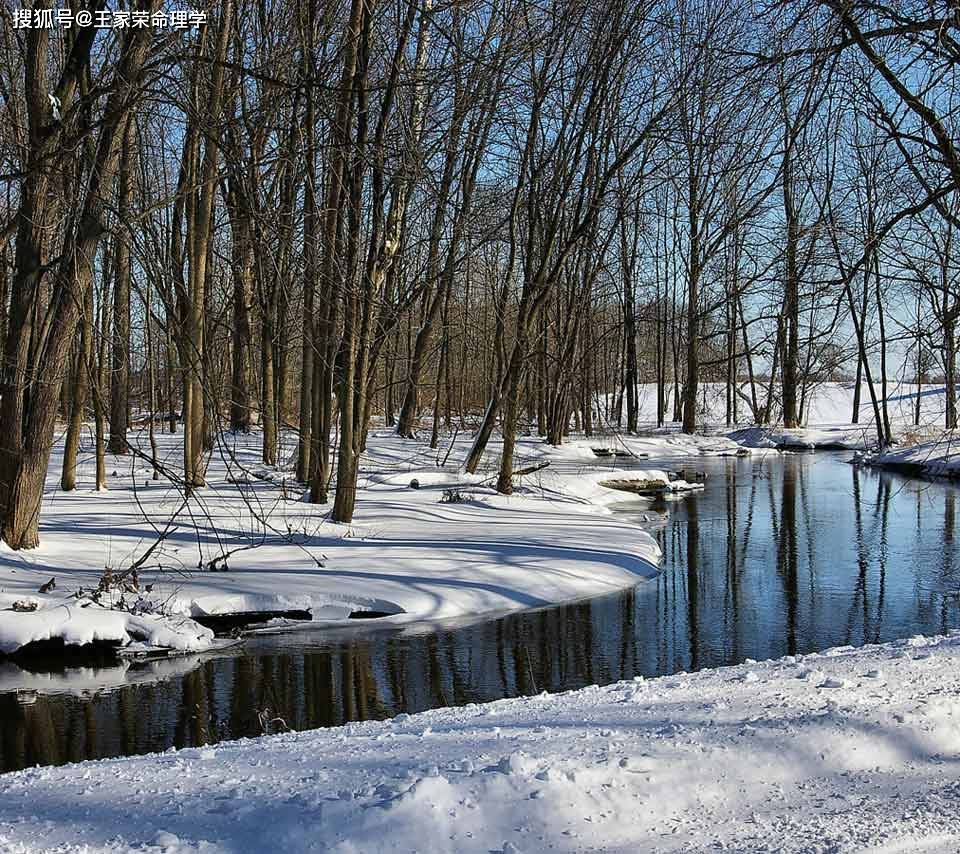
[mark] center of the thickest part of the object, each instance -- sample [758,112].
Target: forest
[460,215]
[479,426]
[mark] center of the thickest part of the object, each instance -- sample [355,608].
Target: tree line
[461,214]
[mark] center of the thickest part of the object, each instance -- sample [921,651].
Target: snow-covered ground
[812,437]
[849,750]
[828,403]
[828,415]
[412,553]
[846,751]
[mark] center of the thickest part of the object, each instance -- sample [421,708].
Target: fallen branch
[529,469]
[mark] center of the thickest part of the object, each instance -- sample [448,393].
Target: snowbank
[938,457]
[428,543]
[828,414]
[82,622]
[839,752]
[833,437]
[592,489]
[828,403]
[661,443]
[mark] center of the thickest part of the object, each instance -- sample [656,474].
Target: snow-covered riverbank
[428,543]
[839,752]
[936,457]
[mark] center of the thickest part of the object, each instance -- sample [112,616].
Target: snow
[848,750]
[924,448]
[827,415]
[589,486]
[78,622]
[828,404]
[411,553]
[936,457]
[833,436]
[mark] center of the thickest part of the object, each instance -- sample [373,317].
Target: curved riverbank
[428,544]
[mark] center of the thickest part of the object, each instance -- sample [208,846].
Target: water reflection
[784,556]
[775,557]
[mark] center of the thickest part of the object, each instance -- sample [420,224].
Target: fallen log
[649,487]
[638,487]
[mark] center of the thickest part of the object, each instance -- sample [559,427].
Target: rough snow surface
[827,415]
[412,553]
[846,751]
[832,436]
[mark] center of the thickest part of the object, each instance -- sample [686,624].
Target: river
[778,555]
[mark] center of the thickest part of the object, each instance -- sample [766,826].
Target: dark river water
[776,556]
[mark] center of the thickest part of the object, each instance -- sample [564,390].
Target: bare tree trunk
[151,378]
[84,367]
[950,373]
[241,404]
[884,409]
[310,237]
[632,379]
[791,302]
[691,382]
[443,372]
[268,386]
[99,382]
[348,452]
[170,352]
[120,351]
[200,230]
[331,273]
